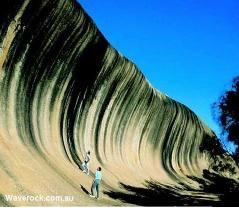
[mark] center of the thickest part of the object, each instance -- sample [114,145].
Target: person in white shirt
[86,164]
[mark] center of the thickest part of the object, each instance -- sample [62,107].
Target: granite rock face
[64,90]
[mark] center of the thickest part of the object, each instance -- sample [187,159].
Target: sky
[186,49]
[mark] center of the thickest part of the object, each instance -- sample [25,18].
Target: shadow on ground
[227,189]
[155,194]
[85,190]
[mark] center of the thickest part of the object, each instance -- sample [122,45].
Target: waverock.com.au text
[38,198]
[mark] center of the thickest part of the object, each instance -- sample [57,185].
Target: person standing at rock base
[96,184]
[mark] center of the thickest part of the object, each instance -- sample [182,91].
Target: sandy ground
[26,173]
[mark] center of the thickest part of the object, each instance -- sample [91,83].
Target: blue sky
[188,49]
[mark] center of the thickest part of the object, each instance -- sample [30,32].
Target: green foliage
[227,113]
[211,144]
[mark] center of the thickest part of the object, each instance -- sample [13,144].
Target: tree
[226,110]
